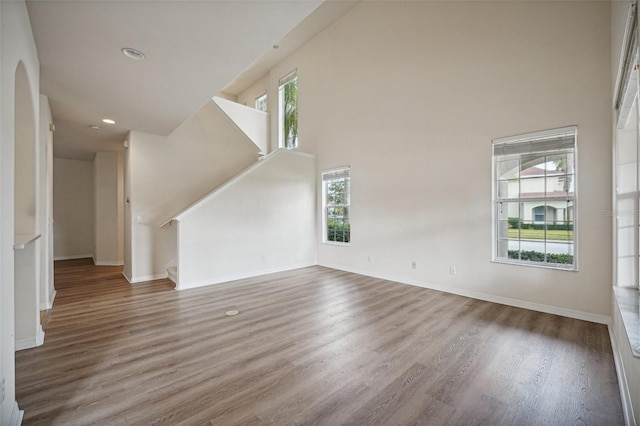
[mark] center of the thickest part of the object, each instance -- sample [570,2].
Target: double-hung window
[535,199]
[336,194]
[288,111]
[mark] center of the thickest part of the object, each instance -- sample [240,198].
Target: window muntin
[336,190]
[261,102]
[534,199]
[288,111]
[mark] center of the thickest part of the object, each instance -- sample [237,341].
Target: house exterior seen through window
[535,199]
[336,190]
[288,111]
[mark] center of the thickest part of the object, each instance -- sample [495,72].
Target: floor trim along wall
[146,278]
[74,256]
[625,396]
[48,304]
[225,279]
[16,415]
[570,313]
[115,263]
[31,342]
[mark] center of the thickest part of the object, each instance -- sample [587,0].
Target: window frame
[532,138]
[259,99]
[325,183]
[282,83]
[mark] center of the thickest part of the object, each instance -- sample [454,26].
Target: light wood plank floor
[311,346]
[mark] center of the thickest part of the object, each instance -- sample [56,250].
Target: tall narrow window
[535,198]
[627,161]
[261,102]
[336,191]
[288,117]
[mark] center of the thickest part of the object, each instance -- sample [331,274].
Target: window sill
[628,300]
[335,243]
[535,265]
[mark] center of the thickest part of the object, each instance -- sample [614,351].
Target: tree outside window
[289,112]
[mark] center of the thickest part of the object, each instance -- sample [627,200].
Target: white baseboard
[74,256]
[225,279]
[625,396]
[31,342]
[146,278]
[16,415]
[126,277]
[40,336]
[105,263]
[26,343]
[48,304]
[570,313]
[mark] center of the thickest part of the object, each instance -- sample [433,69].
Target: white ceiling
[194,49]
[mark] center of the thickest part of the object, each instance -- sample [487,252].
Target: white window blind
[288,78]
[335,174]
[537,143]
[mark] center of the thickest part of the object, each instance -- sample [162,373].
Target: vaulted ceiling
[193,50]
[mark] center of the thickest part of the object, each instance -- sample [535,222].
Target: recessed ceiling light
[94,127]
[134,54]
[275,46]
[108,121]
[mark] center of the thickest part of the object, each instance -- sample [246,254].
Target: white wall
[73,205]
[253,123]
[108,206]
[127,269]
[167,174]
[410,95]
[261,222]
[47,291]
[16,44]
[626,362]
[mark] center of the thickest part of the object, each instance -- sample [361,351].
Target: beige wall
[107,208]
[166,174]
[410,95]
[73,208]
[249,95]
[239,231]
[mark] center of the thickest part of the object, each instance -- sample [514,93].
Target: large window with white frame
[627,160]
[288,111]
[535,199]
[336,197]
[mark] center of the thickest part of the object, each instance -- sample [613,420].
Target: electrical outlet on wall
[413,264]
[452,270]
[2,400]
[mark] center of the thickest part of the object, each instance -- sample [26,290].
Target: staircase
[261,221]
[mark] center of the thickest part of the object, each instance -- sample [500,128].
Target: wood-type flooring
[309,346]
